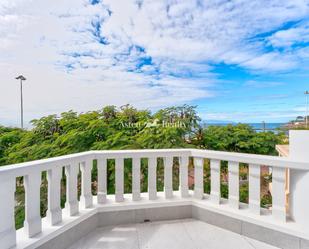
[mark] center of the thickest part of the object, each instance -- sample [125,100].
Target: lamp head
[20,77]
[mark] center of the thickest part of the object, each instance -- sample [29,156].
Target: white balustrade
[32,180]
[278,194]
[168,177]
[233,169]
[54,212]
[183,176]
[119,182]
[102,180]
[136,178]
[86,197]
[254,188]
[198,178]
[215,187]
[71,173]
[7,204]
[33,222]
[152,178]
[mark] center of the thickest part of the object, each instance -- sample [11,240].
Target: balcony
[187,218]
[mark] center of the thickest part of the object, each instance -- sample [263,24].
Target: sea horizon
[254,125]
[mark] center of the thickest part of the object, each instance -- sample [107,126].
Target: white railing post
[198,178]
[86,197]
[136,178]
[215,187]
[233,168]
[33,222]
[7,204]
[102,180]
[254,188]
[168,177]
[119,179]
[183,176]
[54,212]
[152,178]
[71,173]
[278,194]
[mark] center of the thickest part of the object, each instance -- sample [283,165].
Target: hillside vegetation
[129,128]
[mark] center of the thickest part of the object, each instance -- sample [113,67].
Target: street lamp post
[306,93]
[21,78]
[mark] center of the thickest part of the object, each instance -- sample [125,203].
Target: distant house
[300,119]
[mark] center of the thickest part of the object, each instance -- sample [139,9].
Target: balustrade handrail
[83,163]
[274,161]
[19,169]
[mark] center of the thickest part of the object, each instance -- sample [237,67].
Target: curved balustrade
[72,164]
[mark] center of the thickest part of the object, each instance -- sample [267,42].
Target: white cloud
[289,37]
[148,53]
[253,116]
[262,84]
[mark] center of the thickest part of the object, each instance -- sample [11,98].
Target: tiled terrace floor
[178,234]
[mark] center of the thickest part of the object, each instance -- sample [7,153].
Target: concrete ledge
[270,236]
[248,229]
[141,215]
[257,227]
[67,238]
[216,219]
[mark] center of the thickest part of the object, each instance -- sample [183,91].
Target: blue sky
[243,61]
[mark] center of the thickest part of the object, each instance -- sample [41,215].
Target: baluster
[183,172]
[86,197]
[7,204]
[136,178]
[254,188]
[71,173]
[233,184]
[278,194]
[119,181]
[33,222]
[198,178]
[102,179]
[215,193]
[168,177]
[152,178]
[54,213]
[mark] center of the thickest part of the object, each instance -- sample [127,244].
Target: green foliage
[224,190]
[111,128]
[20,206]
[128,128]
[239,138]
[266,201]
[207,187]
[244,193]
[8,138]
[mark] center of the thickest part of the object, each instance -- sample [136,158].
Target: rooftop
[283,149]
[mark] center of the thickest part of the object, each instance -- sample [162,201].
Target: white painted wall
[84,162]
[299,179]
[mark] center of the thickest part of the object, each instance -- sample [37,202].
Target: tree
[239,138]
[127,128]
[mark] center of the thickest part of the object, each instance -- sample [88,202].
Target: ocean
[255,126]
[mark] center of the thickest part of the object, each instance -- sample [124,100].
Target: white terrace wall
[299,179]
[36,229]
